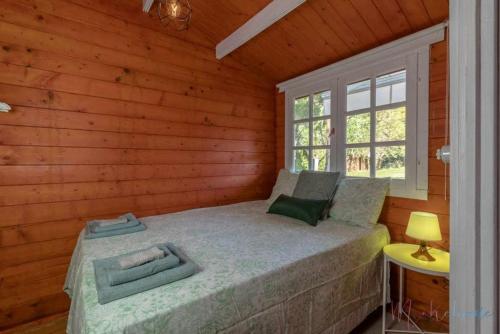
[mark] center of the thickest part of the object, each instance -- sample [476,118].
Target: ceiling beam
[146,5]
[258,23]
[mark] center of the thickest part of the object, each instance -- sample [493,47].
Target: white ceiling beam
[257,24]
[146,5]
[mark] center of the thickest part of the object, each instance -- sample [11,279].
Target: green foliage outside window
[301,134]
[301,160]
[358,129]
[390,126]
[301,108]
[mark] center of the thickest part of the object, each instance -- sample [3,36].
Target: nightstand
[400,254]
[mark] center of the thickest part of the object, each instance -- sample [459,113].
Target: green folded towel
[133,229]
[129,220]
[120,276]
[107,292]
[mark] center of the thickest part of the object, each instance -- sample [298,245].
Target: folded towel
[107,293]
[141,257]
[120,276]
[91,235]
[108,222]
[124,221]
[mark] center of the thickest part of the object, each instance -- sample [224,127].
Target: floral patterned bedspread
[250,262]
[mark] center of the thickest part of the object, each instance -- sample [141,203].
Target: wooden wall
[421,289]
[111,115]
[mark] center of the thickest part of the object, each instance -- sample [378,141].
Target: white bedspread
[253,265]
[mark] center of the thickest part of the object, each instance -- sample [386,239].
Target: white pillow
[285,184]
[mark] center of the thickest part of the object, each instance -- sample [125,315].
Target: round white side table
[400,254]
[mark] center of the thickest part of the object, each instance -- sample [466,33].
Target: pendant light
[175,13]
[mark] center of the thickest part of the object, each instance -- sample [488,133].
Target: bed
[261,273]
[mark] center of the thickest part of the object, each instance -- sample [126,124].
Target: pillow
[285,184]
[307,210]
[316,185]
[359,201]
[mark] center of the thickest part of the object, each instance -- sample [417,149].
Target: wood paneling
[317,33]
[422,290]
[55,324]
[112,113]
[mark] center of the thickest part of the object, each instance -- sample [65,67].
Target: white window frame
[290,97]
[411,53]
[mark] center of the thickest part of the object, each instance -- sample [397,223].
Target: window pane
[390,162]
[399,92]
[358,95]
[391,88]
[357,162]
[321,132]
[301,108]
[383,95]
[301,134]
[300,160]
[321,160]
[358,129]
[321,104]
[390,124]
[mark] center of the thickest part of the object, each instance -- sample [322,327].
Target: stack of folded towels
[124,275]
[125,224]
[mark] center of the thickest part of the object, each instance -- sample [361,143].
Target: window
[375,132]
[366,116]
[311,132]
[382,126]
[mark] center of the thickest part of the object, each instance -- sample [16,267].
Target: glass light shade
[173,8]
[424,226]
[176,13]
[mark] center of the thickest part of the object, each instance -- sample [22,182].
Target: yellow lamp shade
[424,226]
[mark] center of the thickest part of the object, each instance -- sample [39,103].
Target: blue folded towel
[107,292]
[120,276]
[97,227]
[112,221]
[126,230]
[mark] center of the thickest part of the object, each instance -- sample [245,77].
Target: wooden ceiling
[318,33]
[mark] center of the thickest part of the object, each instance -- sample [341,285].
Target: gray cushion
[316,185]
[359,201]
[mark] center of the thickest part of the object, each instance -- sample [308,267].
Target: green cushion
[307,210]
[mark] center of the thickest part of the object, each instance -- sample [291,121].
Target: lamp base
[422,253]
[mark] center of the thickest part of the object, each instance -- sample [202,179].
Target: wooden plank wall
[420,289]
[111,115]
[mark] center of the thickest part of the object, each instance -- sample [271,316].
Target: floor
[373,324]
[57,325]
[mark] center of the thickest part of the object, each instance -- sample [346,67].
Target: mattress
[260,273]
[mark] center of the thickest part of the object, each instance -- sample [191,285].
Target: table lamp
[424,227]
